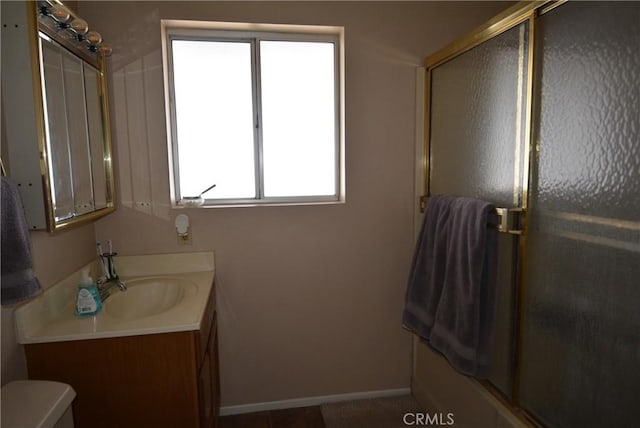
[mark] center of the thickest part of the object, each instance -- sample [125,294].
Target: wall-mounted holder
[511,220]
[195,201]
[183,230]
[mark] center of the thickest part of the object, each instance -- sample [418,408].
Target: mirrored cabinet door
[57,132]
[71,127]
[96,145]
[74,97]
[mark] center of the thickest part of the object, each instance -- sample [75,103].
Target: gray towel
[428,267]
[18,282]
[450,301]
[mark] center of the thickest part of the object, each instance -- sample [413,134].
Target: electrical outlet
[143,204]
[185,239]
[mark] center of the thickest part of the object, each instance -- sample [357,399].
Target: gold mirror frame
[40,209]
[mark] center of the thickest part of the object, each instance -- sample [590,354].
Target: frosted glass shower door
[477,147]
[581,336]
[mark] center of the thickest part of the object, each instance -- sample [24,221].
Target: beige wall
[309,298]
[54,258]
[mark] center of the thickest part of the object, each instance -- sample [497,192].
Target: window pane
[214,118]
[298,118]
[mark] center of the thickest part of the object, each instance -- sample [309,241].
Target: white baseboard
[310,401]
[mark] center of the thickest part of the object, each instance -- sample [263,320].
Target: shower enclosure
[540,110]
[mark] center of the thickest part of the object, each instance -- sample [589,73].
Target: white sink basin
[145,297]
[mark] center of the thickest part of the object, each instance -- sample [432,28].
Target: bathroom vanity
[156,366]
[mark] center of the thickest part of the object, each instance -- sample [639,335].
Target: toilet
[36,404]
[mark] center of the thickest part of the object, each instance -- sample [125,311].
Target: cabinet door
[215,371]
[205,393]
[208,381]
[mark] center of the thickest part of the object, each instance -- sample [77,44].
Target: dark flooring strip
[302,417]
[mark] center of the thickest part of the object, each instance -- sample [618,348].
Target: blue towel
[18,282]
[450,300]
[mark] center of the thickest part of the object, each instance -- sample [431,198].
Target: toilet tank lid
[34,403]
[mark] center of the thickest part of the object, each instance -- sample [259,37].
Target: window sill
[255,203]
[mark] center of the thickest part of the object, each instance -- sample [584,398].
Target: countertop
[50,317]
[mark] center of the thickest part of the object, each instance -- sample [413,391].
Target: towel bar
[509,220]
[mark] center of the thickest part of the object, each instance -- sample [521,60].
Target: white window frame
[249,32]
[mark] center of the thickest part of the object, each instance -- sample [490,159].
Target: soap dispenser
[88,301]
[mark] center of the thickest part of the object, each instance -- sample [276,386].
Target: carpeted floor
[373,413]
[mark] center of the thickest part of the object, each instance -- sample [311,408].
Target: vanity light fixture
[78,29]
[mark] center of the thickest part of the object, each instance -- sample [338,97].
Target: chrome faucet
[110,279]
[105,285]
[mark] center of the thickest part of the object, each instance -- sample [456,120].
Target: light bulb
[80,26]
[93,38]
[60,13]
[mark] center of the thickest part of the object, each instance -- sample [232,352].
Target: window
[257,113]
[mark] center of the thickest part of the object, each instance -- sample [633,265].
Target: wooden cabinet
[156,380]
[208,377]
[208,382]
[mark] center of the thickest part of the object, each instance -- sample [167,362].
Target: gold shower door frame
[524,11]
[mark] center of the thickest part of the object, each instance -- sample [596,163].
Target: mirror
[74,135]
[69,113]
